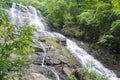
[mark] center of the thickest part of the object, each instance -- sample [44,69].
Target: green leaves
[90,75]
[115,28]
[23,43]
[18,43]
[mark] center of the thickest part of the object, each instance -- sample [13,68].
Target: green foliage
[52,41]
[115,28]
[105,39]
[84,74]
[70,31]
[71,77]
[14,47]
[22,1]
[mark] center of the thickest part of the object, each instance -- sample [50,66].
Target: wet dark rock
[23,9]
[18,7]
[38,49]
[9,4]
[62,41]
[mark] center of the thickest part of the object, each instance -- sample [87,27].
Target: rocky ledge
[57,58]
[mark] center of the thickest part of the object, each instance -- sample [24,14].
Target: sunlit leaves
[85,17]
[105,38]
[115,28]
[116,3]
[17,42]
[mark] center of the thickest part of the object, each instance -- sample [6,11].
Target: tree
[14,47]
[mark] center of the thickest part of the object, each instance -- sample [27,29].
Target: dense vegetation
[94,21]
[84,74]
[14,47]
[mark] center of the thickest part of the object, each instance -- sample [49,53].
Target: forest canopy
[94,21]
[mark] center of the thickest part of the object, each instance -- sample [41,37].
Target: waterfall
[48,67]
[45,52]
[55,73]
[19,15]
[43,59]
[89,61]
[13,20]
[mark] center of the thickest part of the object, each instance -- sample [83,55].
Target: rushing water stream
[19,15]
[48,67]
[45,52]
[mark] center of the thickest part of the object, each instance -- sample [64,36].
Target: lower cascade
[84,58]
[19,15]
[48,67]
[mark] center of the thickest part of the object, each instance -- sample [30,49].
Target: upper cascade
[20,15]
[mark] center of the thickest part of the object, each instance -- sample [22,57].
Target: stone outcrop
[57,57]
[35,73]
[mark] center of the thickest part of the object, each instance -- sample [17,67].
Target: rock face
[33,73]
[57,57]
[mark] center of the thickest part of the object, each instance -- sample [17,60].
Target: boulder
[37,72]
[59,58]
[9,5]
[37,76]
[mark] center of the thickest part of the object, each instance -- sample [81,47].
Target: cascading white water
[55,73]
[48,67]
[88,61]
[29,15]
[45,52]
[35,20]
[12,13]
